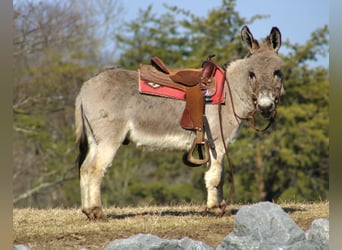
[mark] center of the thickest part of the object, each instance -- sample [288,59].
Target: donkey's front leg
[214,183]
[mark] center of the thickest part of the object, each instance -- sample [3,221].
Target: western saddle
[198,85]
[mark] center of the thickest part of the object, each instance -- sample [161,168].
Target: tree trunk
[259,173]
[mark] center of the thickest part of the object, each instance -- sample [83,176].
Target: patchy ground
[69,228]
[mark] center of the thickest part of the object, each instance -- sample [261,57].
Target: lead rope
[230,166]
[251,120]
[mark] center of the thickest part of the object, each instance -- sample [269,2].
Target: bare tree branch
[42,186]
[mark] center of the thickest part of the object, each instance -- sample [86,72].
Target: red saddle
[158,89]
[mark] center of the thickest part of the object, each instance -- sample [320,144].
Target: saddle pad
[146,87]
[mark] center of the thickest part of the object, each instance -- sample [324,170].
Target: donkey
[110,112]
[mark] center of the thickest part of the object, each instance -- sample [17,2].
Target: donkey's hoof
[212,204]
[95,213]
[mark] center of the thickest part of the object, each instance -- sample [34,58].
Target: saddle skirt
[154,82]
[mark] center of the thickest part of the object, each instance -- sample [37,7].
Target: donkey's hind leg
[99,157]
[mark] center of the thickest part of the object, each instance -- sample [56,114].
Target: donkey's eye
[278,74]
[251,75]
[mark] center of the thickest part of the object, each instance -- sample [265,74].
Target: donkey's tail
[81,136]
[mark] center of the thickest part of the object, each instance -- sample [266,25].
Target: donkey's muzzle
[267,110]
[265,105]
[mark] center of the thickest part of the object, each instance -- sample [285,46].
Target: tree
[181,37]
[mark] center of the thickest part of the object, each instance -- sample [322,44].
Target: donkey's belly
[154,123]
[161,139]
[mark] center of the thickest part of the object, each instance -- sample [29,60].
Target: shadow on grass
[290,210]
[169,213]
[203,213]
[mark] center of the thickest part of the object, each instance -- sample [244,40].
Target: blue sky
[296,19]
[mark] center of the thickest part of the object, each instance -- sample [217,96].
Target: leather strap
[209,136]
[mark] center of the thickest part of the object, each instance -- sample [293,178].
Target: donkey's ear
[248,40]
[275,39]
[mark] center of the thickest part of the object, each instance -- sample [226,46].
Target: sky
[296,19]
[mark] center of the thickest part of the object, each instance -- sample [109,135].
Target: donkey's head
[264,70]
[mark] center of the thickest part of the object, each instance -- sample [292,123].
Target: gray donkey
[110,112]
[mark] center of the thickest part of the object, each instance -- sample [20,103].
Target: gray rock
[149,242]
[232,241]
[300,245]
[318,233]
[262,226]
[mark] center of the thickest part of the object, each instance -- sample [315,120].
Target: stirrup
[199,161]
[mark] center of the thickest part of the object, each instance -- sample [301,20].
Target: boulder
[318,233]
[263,226]
[148,241]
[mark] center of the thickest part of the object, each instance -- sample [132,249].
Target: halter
[251,117]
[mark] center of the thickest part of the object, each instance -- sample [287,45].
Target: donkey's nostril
[266,110]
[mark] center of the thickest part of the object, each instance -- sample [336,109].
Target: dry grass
[69,228]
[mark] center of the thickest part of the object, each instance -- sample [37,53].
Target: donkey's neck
[237,75]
